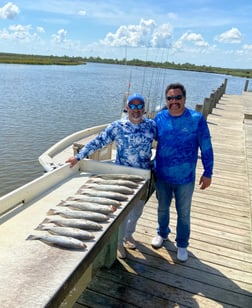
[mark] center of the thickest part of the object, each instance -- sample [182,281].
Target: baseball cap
[136,96]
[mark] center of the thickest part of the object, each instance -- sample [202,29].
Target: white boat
[34,274]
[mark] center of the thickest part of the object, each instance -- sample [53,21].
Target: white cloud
[60,42]
[40,30]
[82,13]
[4,34]
[60,37]
[18,33]
[247,47]
[232,36]
[161,35]
[145,34]
[194,38]
[9,11]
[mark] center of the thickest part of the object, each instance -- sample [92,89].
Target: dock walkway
[219,270]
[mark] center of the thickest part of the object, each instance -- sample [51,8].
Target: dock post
[224,86]
[206,106]
[211,102]
[246,86]
[199,107]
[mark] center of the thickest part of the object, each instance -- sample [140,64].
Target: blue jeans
[183,199]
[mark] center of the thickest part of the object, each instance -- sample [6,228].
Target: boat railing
[49,159]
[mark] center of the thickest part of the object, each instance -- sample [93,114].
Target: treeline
[247,73]
[66,60]
[12,58]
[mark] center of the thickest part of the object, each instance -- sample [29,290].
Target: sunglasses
[177,97]
[133,107]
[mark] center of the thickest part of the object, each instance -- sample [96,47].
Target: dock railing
[211,102]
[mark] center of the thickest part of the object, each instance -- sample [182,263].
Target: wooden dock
[219,270]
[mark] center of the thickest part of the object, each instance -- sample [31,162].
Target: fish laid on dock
[104,194]
[88,206]
[105,187]
[59,240]
[126,183]
[90,215]
[128,177]
[93,199]
[74,223]
[66,231]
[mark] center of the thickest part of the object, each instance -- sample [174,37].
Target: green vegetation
[11,58]
[246,73]
[65,60]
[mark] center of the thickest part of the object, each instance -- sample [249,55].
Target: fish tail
[62,203]
[31,237]
[52,212]
[39,227]
[46,220]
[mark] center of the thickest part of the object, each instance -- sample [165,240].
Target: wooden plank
[200,221]
[169,282]
[121,286]
[193,269]
[90,298]
[211,252]
[131,287]
[214,209]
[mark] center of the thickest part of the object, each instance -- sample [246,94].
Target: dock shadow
[183,280]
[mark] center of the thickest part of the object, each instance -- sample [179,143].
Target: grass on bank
[65,60]
[39,60]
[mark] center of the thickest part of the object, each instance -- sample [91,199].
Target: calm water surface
[40,105]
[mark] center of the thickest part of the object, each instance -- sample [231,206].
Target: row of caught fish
[84,212]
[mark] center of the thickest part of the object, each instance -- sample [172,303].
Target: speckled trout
[126,183]
[128,177]
[87,206]
[66,231]
[104,194]
[74,223]
[93,199]
[59,240]
[115,188]
[98,217]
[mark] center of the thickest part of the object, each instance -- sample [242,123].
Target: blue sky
[201,32]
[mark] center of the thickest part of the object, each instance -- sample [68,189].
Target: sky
[201,32]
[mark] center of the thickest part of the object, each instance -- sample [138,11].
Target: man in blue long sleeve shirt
[133,137]
[181,133]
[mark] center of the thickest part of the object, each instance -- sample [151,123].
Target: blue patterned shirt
[133,142]
[179,139]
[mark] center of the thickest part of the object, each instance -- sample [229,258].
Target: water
[40,105]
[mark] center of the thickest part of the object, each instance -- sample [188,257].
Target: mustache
[177,104]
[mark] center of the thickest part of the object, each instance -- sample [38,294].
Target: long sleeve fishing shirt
[133,142]
[179,140]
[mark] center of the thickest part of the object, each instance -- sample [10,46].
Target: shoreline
[9,58]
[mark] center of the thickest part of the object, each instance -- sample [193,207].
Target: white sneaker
[157,241]
[121,252]
[130,243]
[182,254]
